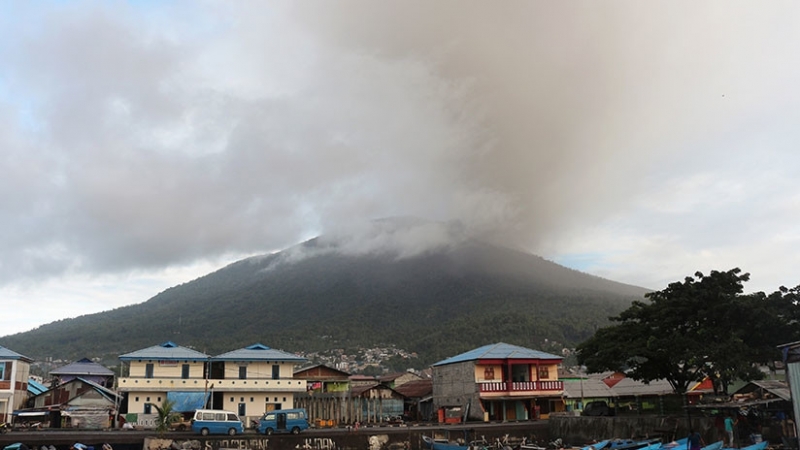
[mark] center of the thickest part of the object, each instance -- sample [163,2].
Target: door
[281,421]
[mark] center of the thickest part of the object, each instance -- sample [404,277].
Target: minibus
[283,421]
[212,421]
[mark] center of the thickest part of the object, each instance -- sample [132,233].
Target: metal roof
[587,388]
[166,351]
[630,387]
[10,354]
[83,367]
[36,388]
[499,351]
[258,352]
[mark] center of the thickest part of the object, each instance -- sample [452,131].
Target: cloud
[142,136]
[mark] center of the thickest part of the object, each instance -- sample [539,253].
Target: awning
[187,401]
[30,413]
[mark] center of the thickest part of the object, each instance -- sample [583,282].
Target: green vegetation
[437,305]
[165,415]
[701,327]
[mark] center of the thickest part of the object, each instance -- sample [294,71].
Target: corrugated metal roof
[630,387]
[587,388]
[499,351]
[11,354]
[777,388]
[258,352]
[415,389]
[167,350]
[36,388]
[83,367]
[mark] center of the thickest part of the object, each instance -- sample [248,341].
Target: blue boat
[715,446]
[757,446]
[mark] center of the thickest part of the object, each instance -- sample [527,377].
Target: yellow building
[14,372]
[248,381]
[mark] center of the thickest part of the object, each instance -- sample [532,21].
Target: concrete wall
[454,385]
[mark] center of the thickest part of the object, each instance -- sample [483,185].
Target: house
[86,369]
[375,403]
[249,381]
[580,391]
[644,397]
[418,400]
[77,403]
[14,373]
[497,382]
[393,380]
[326,396]
[254,380]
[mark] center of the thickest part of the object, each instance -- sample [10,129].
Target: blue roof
[10,354]
[36,388]
[83,367]
[166,351]
[499,351]
[258,352]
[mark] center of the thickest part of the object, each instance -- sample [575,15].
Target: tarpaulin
[187,401]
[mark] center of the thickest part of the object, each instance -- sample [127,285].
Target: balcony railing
[200,384]
[521,386]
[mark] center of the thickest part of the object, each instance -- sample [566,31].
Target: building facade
[249,381]
[14,372]
[497,382]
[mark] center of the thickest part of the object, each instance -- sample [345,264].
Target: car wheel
[232,432]
[268,431]
[181,427]
[295,430]
[204,431]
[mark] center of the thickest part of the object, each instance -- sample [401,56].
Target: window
[276,372]
[185,371]
[242,372]
[5,371]
[148,370]
[544,373]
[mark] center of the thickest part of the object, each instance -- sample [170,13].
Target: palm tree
[166,415]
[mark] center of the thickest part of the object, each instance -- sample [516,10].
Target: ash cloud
[147,138]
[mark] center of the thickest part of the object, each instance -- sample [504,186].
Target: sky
[144,144]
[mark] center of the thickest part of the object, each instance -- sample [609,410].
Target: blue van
[211,421]
[283,421]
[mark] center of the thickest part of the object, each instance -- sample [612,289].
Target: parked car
[209,421]
[181,424]
[597,408]
[283,421]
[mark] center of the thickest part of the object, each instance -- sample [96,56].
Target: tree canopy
[702,327]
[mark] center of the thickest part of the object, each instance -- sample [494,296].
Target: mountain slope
[437,304]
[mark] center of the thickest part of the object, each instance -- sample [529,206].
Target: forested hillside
[437,305]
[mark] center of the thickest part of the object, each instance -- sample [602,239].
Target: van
[211,421]
[597,408]
[283,421]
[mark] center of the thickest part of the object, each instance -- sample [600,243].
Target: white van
[213,421]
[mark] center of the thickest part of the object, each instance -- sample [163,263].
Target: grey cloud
[267,123]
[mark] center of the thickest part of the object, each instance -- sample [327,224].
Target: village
[494,383]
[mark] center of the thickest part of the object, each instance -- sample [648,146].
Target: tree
[165,415]
[701,327]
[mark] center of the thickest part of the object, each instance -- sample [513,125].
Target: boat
[757,446]
[676,444]
[602,445]
[715,446]
[633,444]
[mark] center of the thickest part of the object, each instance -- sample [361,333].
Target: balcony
[199,384]
[504,387]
